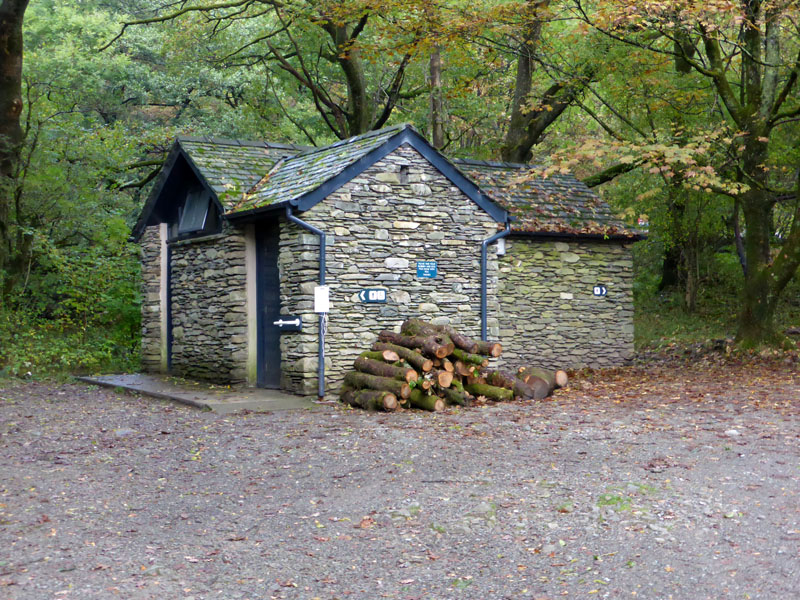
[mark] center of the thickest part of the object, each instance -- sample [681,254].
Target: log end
[562,379]
[444,379]
[496,350]
[390,402]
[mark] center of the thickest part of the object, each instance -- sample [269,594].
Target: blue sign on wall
[426,269]
[372,296]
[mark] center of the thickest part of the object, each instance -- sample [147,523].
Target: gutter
[323,317]
[484,260]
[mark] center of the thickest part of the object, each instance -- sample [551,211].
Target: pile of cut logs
[429,366]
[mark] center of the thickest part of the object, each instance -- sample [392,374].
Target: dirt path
[683,486]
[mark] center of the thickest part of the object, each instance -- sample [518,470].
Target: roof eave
[600,237]
[177,151]
[254,214]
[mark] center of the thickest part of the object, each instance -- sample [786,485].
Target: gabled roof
[303,180]
[227,168]
[306,171]
[558,204]
[231,167]
[249,179]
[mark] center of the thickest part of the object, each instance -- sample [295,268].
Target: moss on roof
[558,204]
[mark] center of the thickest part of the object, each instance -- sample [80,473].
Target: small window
[195,212]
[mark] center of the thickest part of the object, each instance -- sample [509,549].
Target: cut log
[466,357]
[432,345]
[554,379]
[357,380]
[389,356]
[461,341]
[369,399]
[442,378]
[419,399]
[540,386]
[474,378]
[415,359]
[376,367]
[448,366]
[453,396]
[489,391]
[518,386]
[414,327]
[463,369]
[562,379]
[489,348]
[425,384]
[526,373]
[420,327]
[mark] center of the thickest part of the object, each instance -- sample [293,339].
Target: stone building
[260,259]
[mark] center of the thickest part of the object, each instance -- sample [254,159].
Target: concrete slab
[205,396]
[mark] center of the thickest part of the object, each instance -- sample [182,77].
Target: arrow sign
[289,323]
[372,296]
[600,290]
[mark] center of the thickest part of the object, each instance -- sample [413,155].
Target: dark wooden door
[269,305]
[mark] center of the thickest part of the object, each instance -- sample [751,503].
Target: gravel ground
[681,482]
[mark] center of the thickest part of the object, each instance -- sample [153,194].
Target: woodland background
[683,115]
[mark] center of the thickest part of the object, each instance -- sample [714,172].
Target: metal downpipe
[484,260]
[322,316]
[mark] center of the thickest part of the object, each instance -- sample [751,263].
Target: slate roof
[232,167]
[558,204]
[306,171]
[251,177]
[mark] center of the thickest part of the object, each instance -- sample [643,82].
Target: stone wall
[548,313]
[209,307]
[151,301]
[397,212]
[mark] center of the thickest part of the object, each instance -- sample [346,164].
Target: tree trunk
[370,399]
[12,13]
[358,381]
[437,105]
[415,359]
[756,323]
[376,367]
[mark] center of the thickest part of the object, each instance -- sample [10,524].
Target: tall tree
[12,13]
[350,58]
[747,52]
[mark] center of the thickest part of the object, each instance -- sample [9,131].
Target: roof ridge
[495,164]
[237,142]
[355,138]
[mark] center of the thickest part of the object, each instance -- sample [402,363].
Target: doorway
[268,298]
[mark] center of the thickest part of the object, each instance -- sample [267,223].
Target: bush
[79,312]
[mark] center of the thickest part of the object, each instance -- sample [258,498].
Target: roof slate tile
[557,204]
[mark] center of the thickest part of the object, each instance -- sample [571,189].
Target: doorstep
[205,396]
